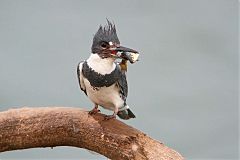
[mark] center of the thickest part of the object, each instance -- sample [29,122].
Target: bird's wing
[122,84]
[80,77]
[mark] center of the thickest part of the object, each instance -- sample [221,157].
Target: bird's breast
[106,97]
[99,80]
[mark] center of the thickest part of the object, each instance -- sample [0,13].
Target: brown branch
[57,126]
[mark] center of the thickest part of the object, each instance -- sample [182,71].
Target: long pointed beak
[125,49]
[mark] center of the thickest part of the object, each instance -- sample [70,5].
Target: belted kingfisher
[103,79]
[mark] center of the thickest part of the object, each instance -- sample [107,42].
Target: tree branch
[57,126]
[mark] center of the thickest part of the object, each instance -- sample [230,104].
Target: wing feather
[123,86]
[80,77]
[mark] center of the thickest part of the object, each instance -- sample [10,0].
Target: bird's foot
[94,111]
[108,117]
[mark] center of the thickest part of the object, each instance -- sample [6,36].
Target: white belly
[107,97]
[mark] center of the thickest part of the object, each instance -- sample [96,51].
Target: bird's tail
[126,114]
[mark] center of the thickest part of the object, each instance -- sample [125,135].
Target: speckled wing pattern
[122,83]
[80,77]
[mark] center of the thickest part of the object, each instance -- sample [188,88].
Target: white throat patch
[102,66]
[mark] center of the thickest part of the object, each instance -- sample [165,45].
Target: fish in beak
[127,54]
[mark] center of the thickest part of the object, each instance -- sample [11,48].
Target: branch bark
[57,126]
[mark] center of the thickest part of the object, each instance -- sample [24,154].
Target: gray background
[184,90]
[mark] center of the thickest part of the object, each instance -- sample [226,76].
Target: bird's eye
[104,45]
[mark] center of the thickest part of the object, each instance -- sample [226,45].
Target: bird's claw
[94,111]
[108,117]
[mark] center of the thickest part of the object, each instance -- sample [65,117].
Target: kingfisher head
[106,43]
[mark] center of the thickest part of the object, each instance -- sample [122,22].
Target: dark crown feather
[105,34]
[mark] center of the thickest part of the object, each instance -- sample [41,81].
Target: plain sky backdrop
[184,89]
